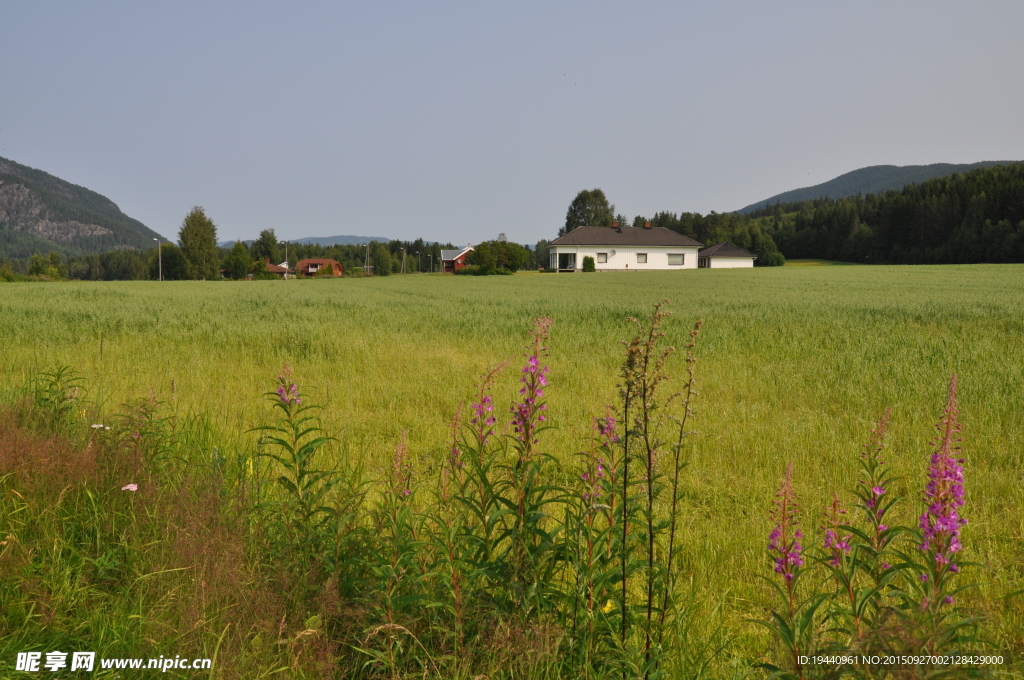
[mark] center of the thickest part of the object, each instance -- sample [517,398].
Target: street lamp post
[285,260]
[160,260]
[431,263]
[419,262]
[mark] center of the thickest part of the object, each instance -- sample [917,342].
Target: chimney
[615,224]
[647,225]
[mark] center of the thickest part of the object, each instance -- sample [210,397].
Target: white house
[623,249]
[724,256]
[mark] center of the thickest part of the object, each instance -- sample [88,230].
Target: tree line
[196,256]
[971,217]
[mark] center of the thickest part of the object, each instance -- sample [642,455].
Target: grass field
[794,364]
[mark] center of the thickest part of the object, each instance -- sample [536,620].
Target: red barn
[454,260]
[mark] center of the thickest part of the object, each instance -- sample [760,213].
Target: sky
[457,121]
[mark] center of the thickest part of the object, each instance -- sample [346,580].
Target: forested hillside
[43,213]
[964,218]
[875,179]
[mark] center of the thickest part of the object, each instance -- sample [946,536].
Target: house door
[567,260]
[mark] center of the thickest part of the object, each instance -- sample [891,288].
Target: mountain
[321,241]
[872,180]
[340,240]
[40,212]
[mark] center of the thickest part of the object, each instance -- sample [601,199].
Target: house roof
[316,260]
[624,236]
[277,269]
[452,254]
[725,249]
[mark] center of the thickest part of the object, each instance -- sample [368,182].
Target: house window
[641,258]
[602,258]
[677,258]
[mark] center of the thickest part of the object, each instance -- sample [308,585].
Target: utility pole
[159,259]
[366,265]
[403,260]
[419,262]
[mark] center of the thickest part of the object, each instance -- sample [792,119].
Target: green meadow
[794,364]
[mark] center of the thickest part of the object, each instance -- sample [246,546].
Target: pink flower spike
[130,487]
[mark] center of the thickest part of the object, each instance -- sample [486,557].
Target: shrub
[588,264]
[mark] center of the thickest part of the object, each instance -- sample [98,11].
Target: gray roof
[452,254]
[725,249]
[624,236]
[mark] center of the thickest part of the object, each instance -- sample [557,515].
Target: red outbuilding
[318,266]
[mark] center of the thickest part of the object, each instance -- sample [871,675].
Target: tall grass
[794,364]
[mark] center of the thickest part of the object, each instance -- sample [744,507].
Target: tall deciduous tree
[198,240]
[491,255]
[588,209]
[238,263]
[266,247]
[380,258]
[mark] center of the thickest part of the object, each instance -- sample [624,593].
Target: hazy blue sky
[459,120]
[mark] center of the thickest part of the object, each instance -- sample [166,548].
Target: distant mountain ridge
[40,213]
[873,179]
[320,241]
[341,240]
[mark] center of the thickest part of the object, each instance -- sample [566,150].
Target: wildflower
[287,390]
[130,487]
[606,427]
[784,539]
[948,599]
[837,546]
[527,413]
[608,607]
[941,522]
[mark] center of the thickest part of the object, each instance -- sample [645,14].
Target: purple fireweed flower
[606,427]
[940,524]
[835,545]
[287,390]
[878,491]
[483,417]
[527,414]
[784,540]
